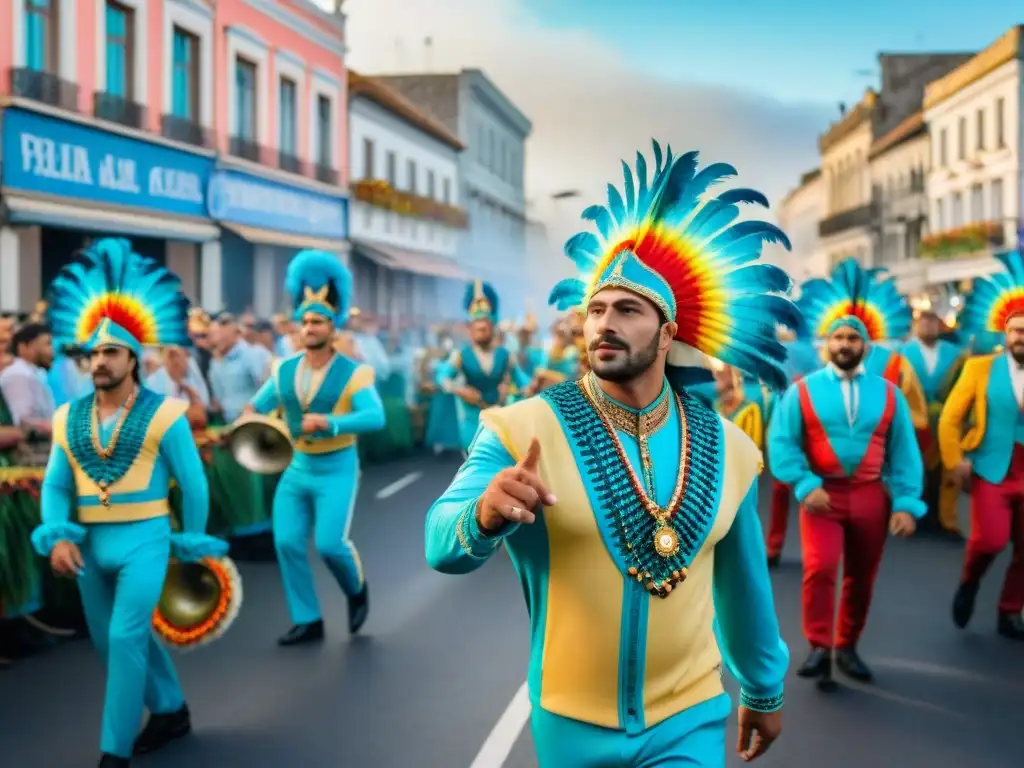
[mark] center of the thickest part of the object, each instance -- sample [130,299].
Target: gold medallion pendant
[666,542]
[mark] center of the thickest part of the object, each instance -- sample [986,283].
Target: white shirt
[849,387]
[27,392]
[1016,379]
[930,355]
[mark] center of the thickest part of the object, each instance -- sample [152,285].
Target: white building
[800,214]
[405,224]
[974,186]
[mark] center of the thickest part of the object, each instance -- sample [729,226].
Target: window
[1000,123]
[120,50]
[940,215]
[980,128]
[942,148]
[977,203]
[323,132]
[431,186]
[957,210]
[41,31]
[392,162]
[410,177]
[368,152]
[185,76]
[489,160]
[446,191]
[287,107]
[997,200]
[245,97]
[961,139]
[481,141]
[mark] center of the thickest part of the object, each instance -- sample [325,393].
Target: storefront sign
[46,155]
[379,193]
[241,198]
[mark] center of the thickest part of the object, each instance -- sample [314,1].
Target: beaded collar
[634,423]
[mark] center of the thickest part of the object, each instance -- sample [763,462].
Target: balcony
[117,109]
[326,174]
[247,149]
[289,162]
[862,217]
[184,130]
[43,87]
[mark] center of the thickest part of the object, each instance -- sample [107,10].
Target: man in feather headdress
[105,492]
[844,441]
[629,568]
[990,456]
[327,400]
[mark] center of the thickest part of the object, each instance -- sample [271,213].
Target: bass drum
[199,603]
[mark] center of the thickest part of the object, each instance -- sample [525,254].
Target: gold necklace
[105,452]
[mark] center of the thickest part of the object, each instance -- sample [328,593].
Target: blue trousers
[125,566]
[694,738]
[317,495]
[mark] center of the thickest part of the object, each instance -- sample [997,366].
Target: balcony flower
[973,238]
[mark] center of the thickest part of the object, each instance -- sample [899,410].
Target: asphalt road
[442,657]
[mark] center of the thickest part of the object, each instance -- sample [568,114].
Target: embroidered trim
[761,704]
[633,423]
[133,434]
[633,529]
[462,532]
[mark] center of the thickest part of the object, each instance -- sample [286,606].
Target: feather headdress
[851,291]
[661,238]
[109,294]
[996,298]
[317,281]
[481,301]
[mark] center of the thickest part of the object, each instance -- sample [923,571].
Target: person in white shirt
[179,377]
[26,391]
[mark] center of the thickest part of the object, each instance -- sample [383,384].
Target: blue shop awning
[417,262]
[31,210]
[284,239]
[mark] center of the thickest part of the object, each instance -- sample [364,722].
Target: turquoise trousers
[317,495]
[694,738]
[125,566]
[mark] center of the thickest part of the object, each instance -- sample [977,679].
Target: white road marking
[403,482]
[505,733]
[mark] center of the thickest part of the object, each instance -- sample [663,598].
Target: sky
[750,82]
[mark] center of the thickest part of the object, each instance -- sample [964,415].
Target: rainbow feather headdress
[996,298]
[109,294]
[317,281]
[661,239]
[481,301]
[867,295]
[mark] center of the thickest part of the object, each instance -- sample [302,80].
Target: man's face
[624,335]
[481,332]
[525,337]
[176,363]
[110,365]
[1015,337]
[317,331]
[282,325]
[928,328]
[225,335]
[248,328]
[39,351]
[846,348]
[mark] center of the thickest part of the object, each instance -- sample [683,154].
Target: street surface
[443,657]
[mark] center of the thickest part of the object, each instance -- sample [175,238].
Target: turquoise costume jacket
[902,470]
[604,651]
[937,381]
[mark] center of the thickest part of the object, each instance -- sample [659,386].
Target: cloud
[588,107]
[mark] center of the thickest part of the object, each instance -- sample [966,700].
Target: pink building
[211,133]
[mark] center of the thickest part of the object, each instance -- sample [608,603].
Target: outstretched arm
[367,415]
[454,541]
[265,400]
[746,624]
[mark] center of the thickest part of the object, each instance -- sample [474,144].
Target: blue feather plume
[315,269]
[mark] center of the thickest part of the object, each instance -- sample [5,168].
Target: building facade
[799,215]
[405,221]
[114,125]
[491,174]
[975,183]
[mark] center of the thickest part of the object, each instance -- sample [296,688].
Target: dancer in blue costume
[479,372]
[639,579]
[104,499]
[327,400]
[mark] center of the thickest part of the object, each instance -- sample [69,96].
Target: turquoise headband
[849,321]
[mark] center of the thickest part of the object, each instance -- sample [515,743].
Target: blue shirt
[237,376]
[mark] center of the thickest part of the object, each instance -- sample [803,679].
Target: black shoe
[161,730]
[113,761]
[773,561]
[1011,626]
[303,633]
[852,665]
[963,604]
[358,609]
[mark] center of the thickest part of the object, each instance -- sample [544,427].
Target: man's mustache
[610,341]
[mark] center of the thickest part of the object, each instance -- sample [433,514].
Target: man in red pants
[833,438]
[991,455]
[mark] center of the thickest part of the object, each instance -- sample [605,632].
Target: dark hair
[136,372]
[27,334]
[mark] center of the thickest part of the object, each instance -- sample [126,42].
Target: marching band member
[991,454]
[937,364]
[104,498]
[625,666]
[838,438]
[327,399]
[530,354]
[560,362]
[480,372]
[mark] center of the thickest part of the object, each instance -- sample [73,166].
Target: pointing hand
[514,494]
